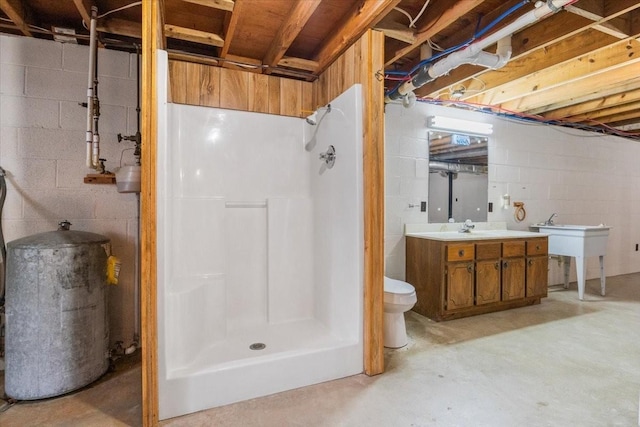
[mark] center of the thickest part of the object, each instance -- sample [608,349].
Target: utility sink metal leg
[602,277]
[581,269]
[567,269]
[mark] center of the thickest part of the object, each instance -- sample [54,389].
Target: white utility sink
[579,241]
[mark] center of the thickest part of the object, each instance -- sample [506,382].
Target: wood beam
[17,11]
[605,60]
[364,15]
[191,35]
[593,94]
[436,24]
[84,8]
[611,114]
[120,27]
[216,4]
[299,63]
[396,31]
[557,27]
[631,115]
[626,96]
[617,27]
[230,27]
[152,40]
[197,59]
[370,61]
[539,100]
[294,23]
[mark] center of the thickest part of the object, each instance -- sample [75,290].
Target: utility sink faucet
[550,220]
[467,226]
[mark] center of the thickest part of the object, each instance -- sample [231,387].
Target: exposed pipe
[473,54]
[92,136]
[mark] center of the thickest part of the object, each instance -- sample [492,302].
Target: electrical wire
[414,20]
[127,6]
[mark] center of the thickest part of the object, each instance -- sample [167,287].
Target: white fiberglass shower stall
[260,253]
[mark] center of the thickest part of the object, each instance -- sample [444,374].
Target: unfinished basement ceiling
[579,65]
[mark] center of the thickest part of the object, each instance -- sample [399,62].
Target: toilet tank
[56,317]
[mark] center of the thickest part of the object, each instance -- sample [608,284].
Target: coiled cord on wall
[519,214]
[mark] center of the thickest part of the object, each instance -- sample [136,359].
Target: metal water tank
[57,334]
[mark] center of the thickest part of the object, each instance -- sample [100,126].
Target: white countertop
[481,231]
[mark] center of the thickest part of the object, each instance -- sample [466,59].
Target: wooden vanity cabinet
[459,271]
[488,271]
[513,270]
[537,268]
[459,279]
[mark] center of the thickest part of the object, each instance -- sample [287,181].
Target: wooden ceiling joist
[366,14]
[536,61]
[120,27]
[231,22]
[84,9]
[296,20]
[617,27]
[607,59]
[216,4]
[610,114]
[590,106]
[18,13]
[578,86]
[299,63]
[397,31]
[191,35]
[435,25]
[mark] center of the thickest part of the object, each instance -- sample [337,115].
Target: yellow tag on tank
[113,270]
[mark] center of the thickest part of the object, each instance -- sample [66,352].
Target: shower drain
[257,346]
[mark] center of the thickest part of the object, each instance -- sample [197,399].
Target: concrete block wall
[42,148]
[585,178]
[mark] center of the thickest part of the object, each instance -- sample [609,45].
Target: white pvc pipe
[90,94]
[473,52]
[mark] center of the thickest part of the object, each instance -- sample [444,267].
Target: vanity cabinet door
[459,285]
[537,276]
[487,282]
[513,278]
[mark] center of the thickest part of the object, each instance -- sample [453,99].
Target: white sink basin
[578,241]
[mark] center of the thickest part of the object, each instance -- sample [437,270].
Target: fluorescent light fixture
[459,125]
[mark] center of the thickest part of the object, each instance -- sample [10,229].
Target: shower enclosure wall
[260,253]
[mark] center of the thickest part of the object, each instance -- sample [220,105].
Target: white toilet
[399,297]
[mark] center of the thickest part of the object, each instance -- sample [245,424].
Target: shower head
[312,118]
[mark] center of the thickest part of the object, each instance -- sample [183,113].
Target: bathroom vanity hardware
[460,278]
[329,156]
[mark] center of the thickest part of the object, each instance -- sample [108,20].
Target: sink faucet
[466,227]
[550,220]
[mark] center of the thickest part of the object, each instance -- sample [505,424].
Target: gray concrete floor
[561,363]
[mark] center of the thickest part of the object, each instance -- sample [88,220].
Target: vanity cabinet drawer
[513,249]
[537,247]
[461,252]
[488,250]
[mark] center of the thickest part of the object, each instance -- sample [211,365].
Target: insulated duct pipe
[473,54]
[92,136]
